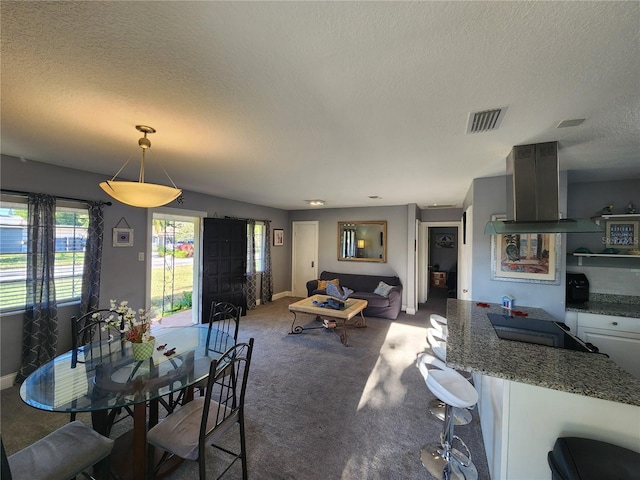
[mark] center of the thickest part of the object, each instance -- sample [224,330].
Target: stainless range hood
[533,184]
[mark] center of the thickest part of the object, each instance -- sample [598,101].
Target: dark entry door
[224,263]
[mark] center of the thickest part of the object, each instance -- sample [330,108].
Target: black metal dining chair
[69,451]
[92,337]
[224,323]
[187,431]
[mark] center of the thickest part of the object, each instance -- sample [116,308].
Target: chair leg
[243,449]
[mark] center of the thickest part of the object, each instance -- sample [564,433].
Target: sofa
[363,287]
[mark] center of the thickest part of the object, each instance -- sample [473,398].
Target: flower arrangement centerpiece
[135,326]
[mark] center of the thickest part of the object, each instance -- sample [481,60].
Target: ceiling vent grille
[485,121]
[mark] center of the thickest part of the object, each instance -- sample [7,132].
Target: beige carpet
[315,410]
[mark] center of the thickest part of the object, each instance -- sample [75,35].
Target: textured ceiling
[277,102]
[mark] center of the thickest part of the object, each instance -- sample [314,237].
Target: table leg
[140,440]
[343,337]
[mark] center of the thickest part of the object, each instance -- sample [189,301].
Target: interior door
[224,263]
[304,264]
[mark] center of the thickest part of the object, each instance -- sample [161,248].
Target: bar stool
[438,321]
[438,343]
[442,460]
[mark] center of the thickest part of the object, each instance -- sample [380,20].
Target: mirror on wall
[362,241]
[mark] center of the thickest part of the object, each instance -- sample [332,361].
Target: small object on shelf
[582,250]
[630,208]
[611,251]
[607,209]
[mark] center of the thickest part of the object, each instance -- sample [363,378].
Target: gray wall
[587,199]
[488,198]
[328,218]
[123,276]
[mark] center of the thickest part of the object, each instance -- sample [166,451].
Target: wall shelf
[581,256]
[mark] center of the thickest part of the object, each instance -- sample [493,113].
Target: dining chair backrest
[201,423]
[90,328]
[224,322]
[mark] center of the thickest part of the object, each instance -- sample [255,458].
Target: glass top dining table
[101,377]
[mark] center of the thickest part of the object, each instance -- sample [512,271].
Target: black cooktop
[541,332]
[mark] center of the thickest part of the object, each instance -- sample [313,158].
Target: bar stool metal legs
[445,462]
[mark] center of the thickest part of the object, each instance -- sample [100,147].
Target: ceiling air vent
[486,120]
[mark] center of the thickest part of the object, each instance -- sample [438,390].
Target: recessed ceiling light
[571,123]
[315,203]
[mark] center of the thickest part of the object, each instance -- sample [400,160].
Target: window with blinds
[70,241]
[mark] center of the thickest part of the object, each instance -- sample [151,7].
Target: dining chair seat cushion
[178,433]
[62,454]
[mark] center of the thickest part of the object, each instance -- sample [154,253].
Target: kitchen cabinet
[618,337]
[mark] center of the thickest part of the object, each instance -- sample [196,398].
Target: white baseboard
[277,296]
[7,380]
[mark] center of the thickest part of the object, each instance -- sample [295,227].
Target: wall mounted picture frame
[278,237]
[123,237]
[622,234]
[525,257]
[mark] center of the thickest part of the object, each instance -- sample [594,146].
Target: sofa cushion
[360,283]
[322,284]
[383,289]
[373,299]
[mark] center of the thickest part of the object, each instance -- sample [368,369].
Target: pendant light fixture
[141,194]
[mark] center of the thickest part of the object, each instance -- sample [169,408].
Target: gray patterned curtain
[40,331]
[267,279]
[251,267]
[92,259]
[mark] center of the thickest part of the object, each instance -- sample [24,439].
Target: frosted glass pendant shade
[140,194]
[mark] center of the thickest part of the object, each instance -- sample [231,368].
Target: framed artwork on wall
[123,237]
[622,234]
[525,257]
[278,237]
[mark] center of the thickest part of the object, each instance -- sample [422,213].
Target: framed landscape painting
[525,257]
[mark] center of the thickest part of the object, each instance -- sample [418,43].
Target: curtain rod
[18,192]
[247,219]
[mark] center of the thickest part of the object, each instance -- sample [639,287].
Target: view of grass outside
[182,289]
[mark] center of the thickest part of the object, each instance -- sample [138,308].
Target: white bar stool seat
[438,321]
[442,460]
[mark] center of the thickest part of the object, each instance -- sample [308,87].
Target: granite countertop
[606,306]
[473,346]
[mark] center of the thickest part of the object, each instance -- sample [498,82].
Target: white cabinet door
[622,347]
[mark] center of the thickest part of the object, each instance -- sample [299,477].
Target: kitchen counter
[607,308]
[473,346]
[529,395]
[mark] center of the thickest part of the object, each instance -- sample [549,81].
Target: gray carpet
[314,409]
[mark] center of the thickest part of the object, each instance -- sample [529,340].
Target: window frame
[80,208]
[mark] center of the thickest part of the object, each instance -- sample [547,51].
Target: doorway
[438,260]
[304,263]
[174,266]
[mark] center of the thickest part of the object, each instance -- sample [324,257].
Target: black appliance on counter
[541,332]
[577,288]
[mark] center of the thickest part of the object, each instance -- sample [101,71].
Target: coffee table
[353,307]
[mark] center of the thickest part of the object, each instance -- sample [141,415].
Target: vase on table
[143,350]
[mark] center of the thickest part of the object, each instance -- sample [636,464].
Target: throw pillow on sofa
[322,284]
[383,289]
